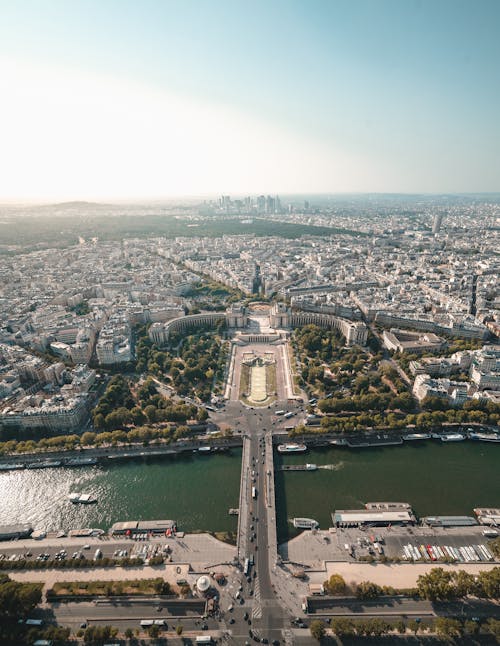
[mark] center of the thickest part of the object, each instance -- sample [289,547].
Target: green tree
[436,585]
[87,439]
[318,629]
[342,627]
[448,628]
[18,598]
[154,631]
[493,627]
[401,627]
[335,584]
[414,626]
[368,590]
[178,629]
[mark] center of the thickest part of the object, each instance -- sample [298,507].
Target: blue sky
[155,98]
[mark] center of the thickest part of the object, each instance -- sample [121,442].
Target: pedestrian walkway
[257,607]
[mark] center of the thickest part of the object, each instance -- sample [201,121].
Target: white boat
[12,466]
[80,462]
[204,449]
[485,437]
[44,464]
[452,437]
[81,498]
[417,436]
[311,467]
[305,523]
[292,448]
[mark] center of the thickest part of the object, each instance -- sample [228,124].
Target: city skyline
[128,102]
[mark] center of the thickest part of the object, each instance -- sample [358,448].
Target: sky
[152,99]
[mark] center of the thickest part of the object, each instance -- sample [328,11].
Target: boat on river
[417,436]
[44,464]
[80,462]
[12,466]
[305,523]
[452,437]
[292,448]
[484,437]
[82,499]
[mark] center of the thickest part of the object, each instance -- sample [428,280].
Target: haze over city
[127,100]
[249,322]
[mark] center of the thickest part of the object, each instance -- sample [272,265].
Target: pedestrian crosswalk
[257,606]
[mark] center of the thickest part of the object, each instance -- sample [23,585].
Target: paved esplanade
[269,612]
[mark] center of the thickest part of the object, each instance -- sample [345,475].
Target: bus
[254,493]
[280,412]
[204,639]
[34,622]
[288,415]
[145,623]
[246,567]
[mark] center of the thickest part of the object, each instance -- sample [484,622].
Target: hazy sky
[139,99]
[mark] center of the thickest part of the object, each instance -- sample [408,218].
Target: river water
[435,478]
[197,491]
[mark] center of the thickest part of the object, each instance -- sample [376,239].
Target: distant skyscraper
[436,222]
[270,204]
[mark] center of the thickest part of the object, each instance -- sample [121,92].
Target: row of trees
[348,422]
[440,584]
[436,585]
[444,627]
[140,434]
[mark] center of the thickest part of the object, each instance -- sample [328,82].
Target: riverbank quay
[311,549]
[190,555]
[122,452]
[361,439]
[201,552]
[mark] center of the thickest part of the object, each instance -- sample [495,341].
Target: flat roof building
[354,517]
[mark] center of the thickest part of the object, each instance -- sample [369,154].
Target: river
[197,491]
[435,478]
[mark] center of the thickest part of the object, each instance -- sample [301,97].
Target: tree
[18,598]
[493,627]
[88,438]
[436,585]
[448,628]
[318,629]
[401,627]
[154,631]
[414,626]
[129,633]
[368,590]
[342,627]
[378,627]
[494,546]
[335,584]
[178,629]
[488,583]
